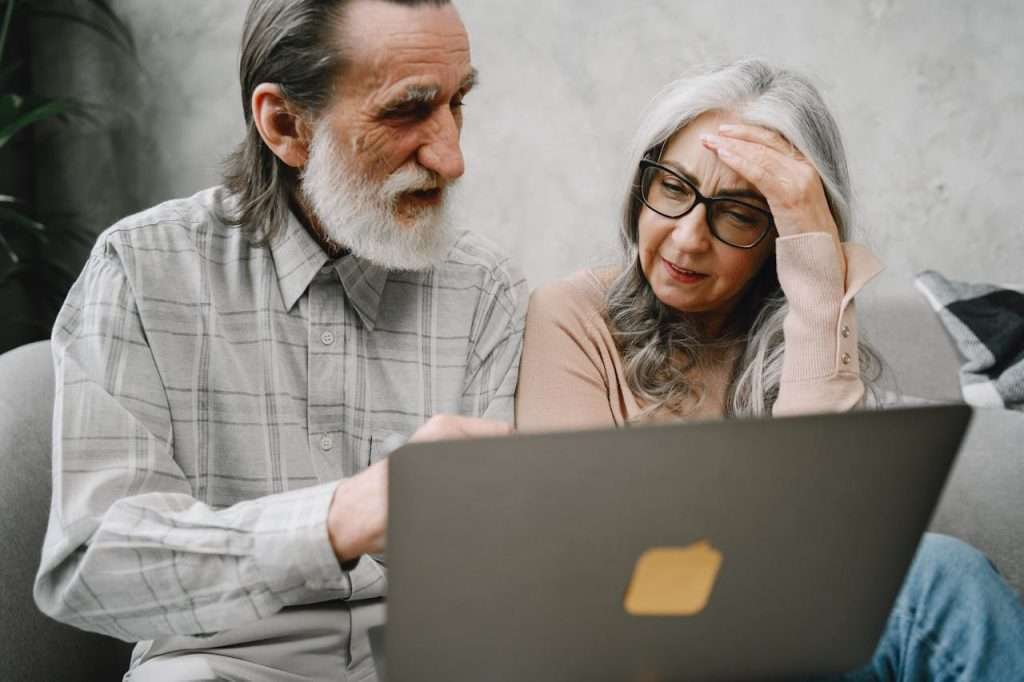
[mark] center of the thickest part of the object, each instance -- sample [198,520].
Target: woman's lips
[682,274]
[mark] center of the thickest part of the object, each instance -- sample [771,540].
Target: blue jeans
[954,619]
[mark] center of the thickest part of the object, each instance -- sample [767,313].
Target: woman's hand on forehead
[788,181]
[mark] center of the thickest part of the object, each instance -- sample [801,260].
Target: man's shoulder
[173,227]
[475,260]
[473,252]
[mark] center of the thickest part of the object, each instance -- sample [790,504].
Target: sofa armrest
[36,648]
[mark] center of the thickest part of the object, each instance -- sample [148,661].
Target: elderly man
[234,367]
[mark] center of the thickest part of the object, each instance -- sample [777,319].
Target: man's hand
[451,427]
[357,520]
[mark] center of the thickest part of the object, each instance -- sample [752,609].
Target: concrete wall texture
[927,93]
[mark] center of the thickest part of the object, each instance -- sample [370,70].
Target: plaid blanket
[987,325]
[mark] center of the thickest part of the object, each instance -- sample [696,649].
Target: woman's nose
[692,232]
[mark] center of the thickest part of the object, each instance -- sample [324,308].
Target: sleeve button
[846,331]
[846,358]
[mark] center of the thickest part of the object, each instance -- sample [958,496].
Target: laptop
[727,550]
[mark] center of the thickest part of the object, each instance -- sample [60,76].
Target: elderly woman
[735,298]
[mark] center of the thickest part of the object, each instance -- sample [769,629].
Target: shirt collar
[363,282]
[298,258]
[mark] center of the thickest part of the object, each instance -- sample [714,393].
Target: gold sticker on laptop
[673,581]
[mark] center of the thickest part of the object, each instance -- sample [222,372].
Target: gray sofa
[33,646]
[984,498]
[983,503]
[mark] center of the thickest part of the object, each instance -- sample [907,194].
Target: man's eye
[408,111]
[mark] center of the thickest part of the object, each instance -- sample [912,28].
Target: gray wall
[928,95]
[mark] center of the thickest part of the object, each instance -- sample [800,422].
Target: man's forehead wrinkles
[454,36]
[411,53]
[409,57]
[417,41]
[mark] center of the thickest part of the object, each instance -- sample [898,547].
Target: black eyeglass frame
[700,199]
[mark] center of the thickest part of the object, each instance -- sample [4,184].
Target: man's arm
[496,346]
[129,552]
[358,514]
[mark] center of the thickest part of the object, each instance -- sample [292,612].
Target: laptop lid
[546,557]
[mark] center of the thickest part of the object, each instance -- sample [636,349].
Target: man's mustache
[412,178]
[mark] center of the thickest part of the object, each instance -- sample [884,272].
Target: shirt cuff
[368,578]
[292,549]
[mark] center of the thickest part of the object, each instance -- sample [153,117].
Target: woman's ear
[283,129]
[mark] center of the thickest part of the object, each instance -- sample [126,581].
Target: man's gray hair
[295,44]
[658,344]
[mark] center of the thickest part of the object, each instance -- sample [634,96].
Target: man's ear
[282,128]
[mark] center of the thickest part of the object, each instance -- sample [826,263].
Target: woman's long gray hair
[659,345]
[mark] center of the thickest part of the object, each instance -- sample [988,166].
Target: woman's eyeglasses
[735,222]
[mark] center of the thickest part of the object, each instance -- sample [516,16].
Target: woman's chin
[684,299]
[682,304]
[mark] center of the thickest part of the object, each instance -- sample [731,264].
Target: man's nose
[692,232]
[441,152]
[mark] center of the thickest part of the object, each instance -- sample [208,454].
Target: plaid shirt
[210,394]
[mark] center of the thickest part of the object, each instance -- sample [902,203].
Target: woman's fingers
[791,186]
[760,135]
[761,165]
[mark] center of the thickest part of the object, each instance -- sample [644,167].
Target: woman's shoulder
[580,294]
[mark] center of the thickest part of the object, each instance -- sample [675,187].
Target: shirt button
[846,358]
[846,331]
[327,338]
[326,442]
[326,270]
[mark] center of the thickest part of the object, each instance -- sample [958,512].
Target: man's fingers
[448,427]
[484,428]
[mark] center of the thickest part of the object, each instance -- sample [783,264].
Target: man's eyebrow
[414,94]
[471,80]
[426,94]
[737,193]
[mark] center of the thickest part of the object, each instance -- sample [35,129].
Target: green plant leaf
[7,250]
[10,216]
[17,112]
[5,27]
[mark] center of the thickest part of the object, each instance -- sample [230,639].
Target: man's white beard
[361,216]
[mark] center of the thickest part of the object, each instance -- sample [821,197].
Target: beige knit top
[571,375]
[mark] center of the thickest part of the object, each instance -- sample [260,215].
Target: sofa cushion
[919,358]
[983,502]
[986,322]
[39,648]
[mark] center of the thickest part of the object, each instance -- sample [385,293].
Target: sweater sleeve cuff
[292,549]
[820,279]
